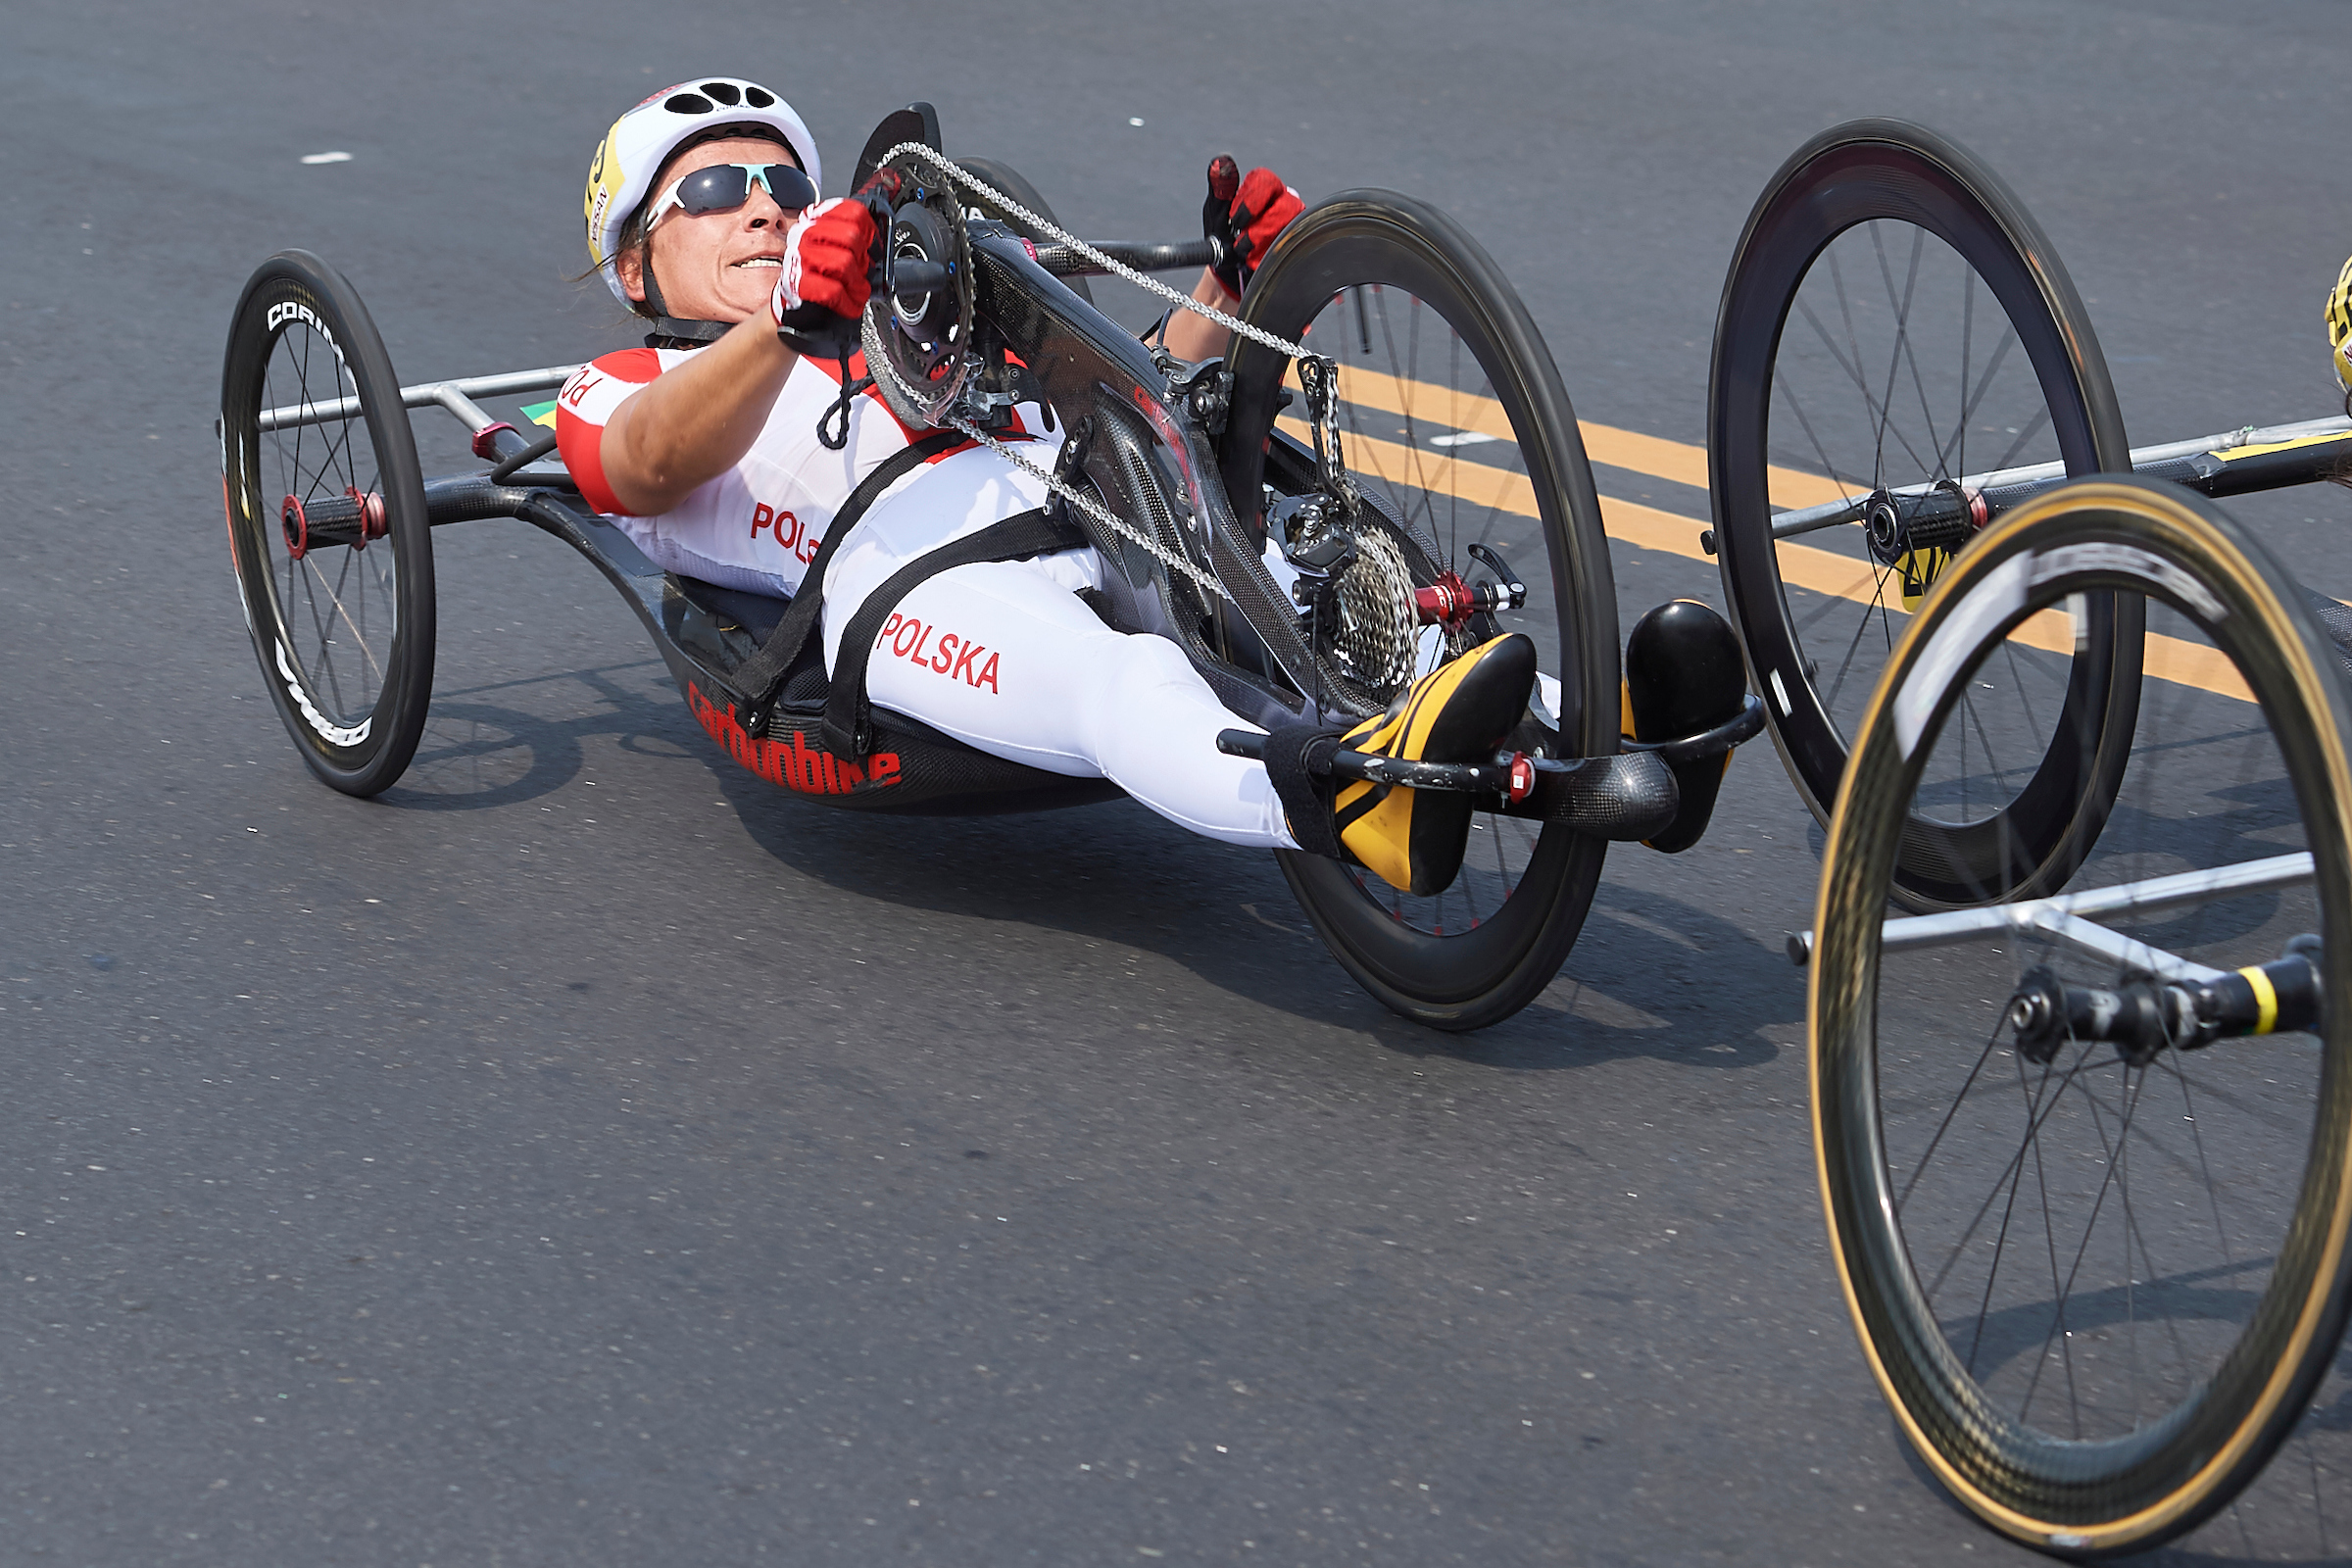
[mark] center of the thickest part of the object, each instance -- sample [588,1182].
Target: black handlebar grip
[909,276]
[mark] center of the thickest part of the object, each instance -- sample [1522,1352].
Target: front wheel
[2099,1257]
[1454,421]
[328,523]
[1895,330]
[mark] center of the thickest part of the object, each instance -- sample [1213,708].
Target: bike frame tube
[1063,261]
[2145,460]
[456,396]
[1090,365]
[2067,917]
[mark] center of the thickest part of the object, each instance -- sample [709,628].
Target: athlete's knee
[1131,671]
[1143,696]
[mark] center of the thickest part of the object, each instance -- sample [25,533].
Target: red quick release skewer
[1448,601]
[1523,776]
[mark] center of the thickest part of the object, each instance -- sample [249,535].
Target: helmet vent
[723,91]
[758,97]
[687,103]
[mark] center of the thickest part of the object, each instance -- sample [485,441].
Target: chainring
[925,338]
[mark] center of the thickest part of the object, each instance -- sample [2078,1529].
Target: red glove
[827,255]
[1244,212]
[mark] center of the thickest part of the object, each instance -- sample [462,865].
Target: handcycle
[1456,506]
[2082,1104]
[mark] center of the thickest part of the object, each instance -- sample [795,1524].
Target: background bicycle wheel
[2098,1283]
[663,1138]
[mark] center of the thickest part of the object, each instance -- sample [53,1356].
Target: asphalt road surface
[590,1156]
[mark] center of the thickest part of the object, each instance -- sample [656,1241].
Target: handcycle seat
[756,614]
[912,769]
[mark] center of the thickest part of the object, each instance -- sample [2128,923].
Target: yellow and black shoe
[2339,328]
[1414,839]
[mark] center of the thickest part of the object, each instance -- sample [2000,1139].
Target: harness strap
[1297,756]
[678,332]
[760,677]
[848,729]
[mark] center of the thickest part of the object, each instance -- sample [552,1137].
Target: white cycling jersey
[758,526]
[1002,655]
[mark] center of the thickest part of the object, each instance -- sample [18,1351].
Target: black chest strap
[848,729]
[678,332]
[760,677]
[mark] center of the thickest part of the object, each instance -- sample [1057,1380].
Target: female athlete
[703,214]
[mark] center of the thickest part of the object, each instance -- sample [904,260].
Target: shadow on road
[1648,978]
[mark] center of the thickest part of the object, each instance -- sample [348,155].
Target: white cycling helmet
[640,142]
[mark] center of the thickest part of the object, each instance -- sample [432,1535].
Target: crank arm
[1630,795]
[1742,726]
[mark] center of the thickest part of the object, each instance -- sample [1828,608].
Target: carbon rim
[2098,1292]
[1895,319]
[326,523]
[1451,418]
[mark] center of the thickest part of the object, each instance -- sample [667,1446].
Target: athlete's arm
[1197,337]
[695,422]
[1244,212]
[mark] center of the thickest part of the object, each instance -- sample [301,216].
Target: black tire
[2097,1314]
[1369,272]
[1938,244]
[1013,184]
[338,591]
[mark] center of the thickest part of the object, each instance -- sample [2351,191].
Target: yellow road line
[1481,484]
[1676,461]
[1822,571]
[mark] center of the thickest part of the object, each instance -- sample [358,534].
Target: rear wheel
[1453,420]
[2098,1285]
[1895,320]
[326,522]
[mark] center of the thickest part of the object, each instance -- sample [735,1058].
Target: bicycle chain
[1319,379]
[1324,409]
[1061,237]
[1180,565]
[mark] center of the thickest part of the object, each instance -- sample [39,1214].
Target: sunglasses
[723,187]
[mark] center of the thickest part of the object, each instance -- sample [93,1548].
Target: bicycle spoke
[1904,353]
[1957,447]
[1828,467]
[1395,424]
[2040,417]
[318,461]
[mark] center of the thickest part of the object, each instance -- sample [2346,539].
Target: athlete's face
[719,266]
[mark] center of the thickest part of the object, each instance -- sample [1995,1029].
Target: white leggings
[1006,657]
